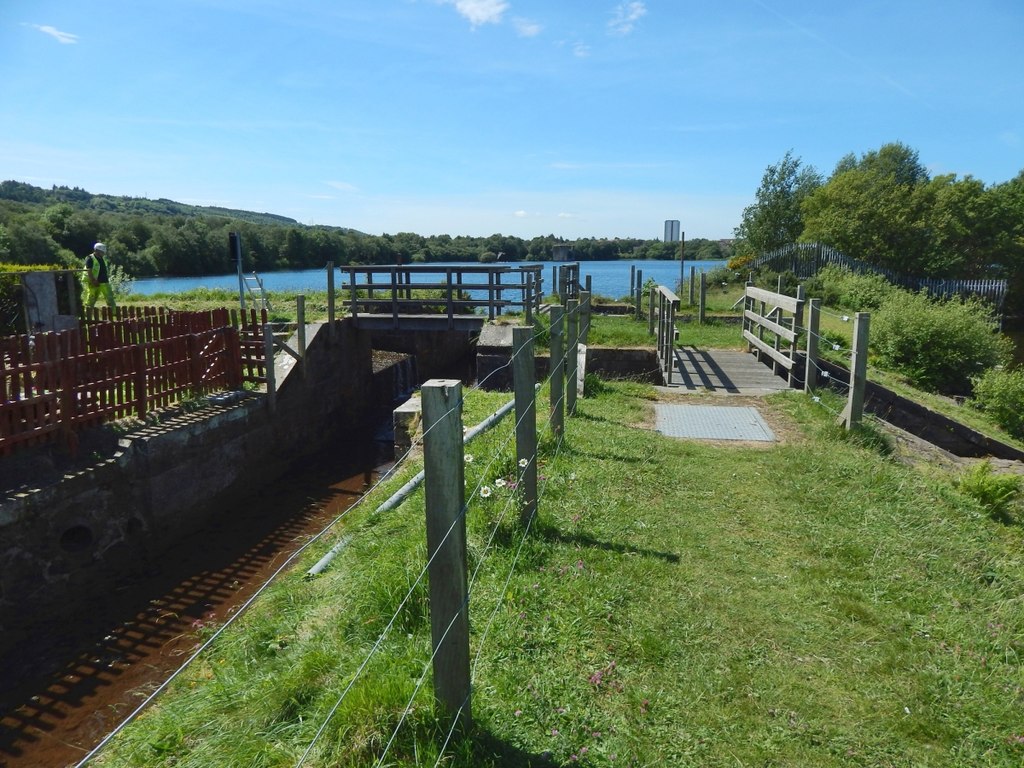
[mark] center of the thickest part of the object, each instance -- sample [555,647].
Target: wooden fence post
[702,308]
[444,492]
[813,324]
[854,410]
[524,377]
[557,370]
[572,361]
[693,279]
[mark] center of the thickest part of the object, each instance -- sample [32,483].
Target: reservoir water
[608,278]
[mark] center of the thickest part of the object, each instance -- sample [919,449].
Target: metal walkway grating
[712,422]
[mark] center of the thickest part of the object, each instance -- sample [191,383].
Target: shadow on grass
[555,536]
[488,749]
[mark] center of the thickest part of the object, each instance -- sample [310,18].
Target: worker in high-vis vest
[97,277]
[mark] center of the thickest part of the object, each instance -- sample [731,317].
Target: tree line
[161,237]
[885,208]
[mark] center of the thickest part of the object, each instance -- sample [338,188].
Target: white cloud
[64,38]
[625,16]
[342,186]
[580,50]
[480,11]
[520,214]
[527,28]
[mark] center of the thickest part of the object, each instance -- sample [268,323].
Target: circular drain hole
[76,539]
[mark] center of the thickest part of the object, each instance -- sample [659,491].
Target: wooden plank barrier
[54,383]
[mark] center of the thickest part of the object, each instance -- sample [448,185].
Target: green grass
[676,603]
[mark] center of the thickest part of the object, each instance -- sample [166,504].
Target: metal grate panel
[712,422]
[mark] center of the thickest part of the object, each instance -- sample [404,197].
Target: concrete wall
[67,540]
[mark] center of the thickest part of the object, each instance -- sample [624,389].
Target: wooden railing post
[300,315]
[572,355]
[585,307]
[557,370]
[702,308]
[444,490]
[813,324]
[524,377]
[528,297]
[795,324]
[693,277]
[854,411]
[651,310]
[268,353]
[638,295]
[330,300]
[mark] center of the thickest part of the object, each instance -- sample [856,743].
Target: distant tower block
[671,230]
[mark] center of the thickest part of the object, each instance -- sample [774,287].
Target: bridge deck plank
[723,371]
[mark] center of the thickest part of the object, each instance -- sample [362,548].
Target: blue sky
[579,118]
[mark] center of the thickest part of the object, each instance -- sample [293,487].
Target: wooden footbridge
[423,297]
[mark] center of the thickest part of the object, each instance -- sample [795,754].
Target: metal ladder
[254,285]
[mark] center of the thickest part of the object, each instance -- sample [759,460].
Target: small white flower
[468,458]
[524,463]
[500,482]
[485,492]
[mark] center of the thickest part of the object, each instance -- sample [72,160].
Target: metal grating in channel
[712,422]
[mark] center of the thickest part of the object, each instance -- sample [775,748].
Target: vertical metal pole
[524,376]
[858,370]
[557,370]
[813,321]
[235,246]
[572,355]
[444,491]
[693,278]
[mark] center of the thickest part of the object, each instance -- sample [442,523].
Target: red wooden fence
[121,364]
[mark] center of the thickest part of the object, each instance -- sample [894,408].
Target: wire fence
[480,490]
[806,259]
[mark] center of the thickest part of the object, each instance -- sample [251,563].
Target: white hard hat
[100,247]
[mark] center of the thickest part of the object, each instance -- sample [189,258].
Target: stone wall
[68,538]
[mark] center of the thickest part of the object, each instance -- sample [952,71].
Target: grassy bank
[812,603]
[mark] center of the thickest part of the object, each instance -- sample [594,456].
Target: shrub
[839,287]
[939,345]
[996,493]
[1000,394]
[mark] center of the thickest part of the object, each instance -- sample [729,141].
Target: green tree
[874,209]
[776,219]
